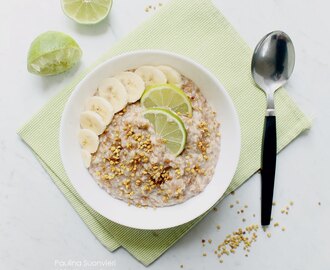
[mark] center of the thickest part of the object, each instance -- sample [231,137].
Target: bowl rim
[97,68]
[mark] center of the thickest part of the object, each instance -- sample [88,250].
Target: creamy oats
[133,164]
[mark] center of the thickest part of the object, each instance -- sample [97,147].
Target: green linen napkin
[194,28]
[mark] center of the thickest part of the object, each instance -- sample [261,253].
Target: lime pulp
[169,126]
[86,11]
[168,96]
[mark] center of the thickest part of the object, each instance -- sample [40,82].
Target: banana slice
[102,107]
[88,140]
[133,84]
[151,75]
[93,121]
[115,92]
[172,75]
[86,157]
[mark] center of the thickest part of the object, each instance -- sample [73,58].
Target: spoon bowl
[273,62]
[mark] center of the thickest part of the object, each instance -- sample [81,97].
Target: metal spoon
[272,65]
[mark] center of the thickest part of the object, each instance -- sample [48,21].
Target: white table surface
[38,226]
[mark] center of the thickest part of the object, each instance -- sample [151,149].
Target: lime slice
[86,11]
[167,95]
[168,126]
[52,53]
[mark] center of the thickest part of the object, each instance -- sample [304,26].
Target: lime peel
[52,53]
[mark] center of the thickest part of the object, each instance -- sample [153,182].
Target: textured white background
[38,226]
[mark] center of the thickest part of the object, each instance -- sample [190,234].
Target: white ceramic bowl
[148,218]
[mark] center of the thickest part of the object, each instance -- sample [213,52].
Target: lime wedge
[169,127]
[86,11]
[167,95]
[52,53]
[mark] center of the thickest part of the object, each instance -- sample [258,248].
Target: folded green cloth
[197,29]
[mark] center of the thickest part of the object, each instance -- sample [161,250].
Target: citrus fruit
[167,95]
[169,127]
[86,11]
[52,53]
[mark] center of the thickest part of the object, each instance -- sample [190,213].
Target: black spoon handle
[268,169]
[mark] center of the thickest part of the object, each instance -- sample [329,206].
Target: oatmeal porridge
[132,162]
